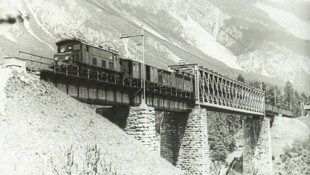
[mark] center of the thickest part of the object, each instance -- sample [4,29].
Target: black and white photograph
[155,87]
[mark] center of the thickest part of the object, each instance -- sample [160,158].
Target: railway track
[35,62]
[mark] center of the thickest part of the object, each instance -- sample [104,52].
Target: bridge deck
[211,90]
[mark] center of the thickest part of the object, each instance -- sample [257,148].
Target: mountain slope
[227,36]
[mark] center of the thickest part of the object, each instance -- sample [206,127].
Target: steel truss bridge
[211,90]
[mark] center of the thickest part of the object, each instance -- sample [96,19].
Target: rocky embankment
[43,131]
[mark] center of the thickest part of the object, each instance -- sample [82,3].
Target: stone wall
[257,155]
[141,125]
[194,150]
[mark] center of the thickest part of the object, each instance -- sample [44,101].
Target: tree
[240,78]
[255,84]
[303,98]
[270,96]
[221,129]
[288,95]
[278,97]
[297,104]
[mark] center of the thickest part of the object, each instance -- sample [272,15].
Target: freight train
[75,56]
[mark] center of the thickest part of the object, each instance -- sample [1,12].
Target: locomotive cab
[68,52]
[76,53]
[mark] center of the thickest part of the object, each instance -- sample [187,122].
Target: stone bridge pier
[183,139]
[142,126]
[194,147]
[257,153]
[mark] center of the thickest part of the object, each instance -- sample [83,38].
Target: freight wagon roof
[151,65]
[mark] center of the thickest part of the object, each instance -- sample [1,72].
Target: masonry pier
[194,149]
[257,154]
[141,125]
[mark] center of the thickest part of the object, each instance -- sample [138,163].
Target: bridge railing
[34,61]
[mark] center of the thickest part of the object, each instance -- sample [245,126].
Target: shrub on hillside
[93,164]
[296,159]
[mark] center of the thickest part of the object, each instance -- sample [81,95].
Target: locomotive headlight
[67,58]
[56,58]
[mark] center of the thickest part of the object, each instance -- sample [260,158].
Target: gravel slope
[40,124]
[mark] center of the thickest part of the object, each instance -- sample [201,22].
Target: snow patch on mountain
[198,37]
[168,54]
[287,20]
[265,73]
[274,60]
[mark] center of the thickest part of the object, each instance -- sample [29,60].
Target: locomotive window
[87,49]
[76,47]
[103,63]
[63,49]
[95,61]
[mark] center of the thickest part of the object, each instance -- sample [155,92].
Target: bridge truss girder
[214,90]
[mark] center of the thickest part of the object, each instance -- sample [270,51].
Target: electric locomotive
[77,57]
